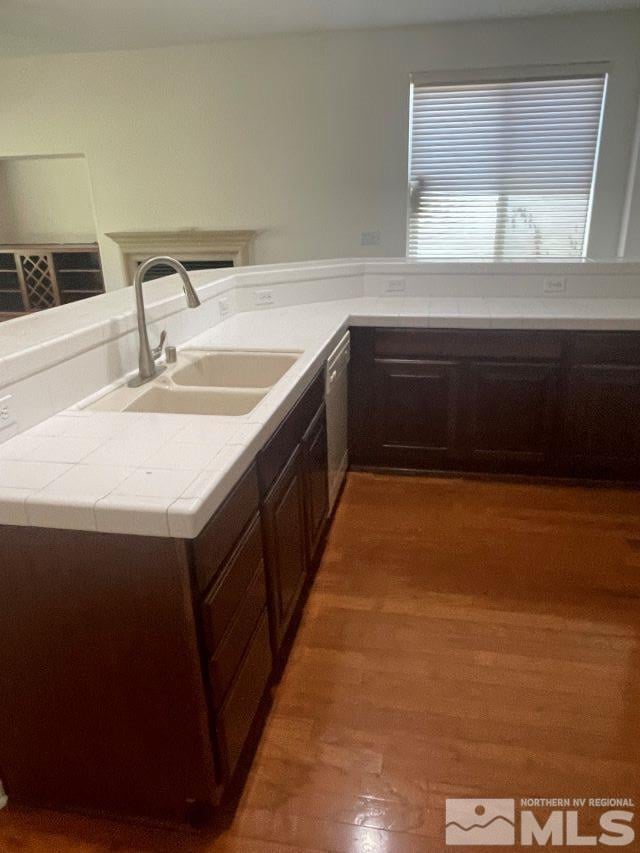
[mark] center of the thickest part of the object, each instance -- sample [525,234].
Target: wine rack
[38,276]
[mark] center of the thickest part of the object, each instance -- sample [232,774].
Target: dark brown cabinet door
[510,413]
[414,414]
[232,608]
[535,402]
[283,516]
[314,446]
[241,711]
[602,419]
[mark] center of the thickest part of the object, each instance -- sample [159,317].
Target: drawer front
[606,348]
[228,655]
[217,539]
[274,456]
[225,598]
[239,712]
[467,343]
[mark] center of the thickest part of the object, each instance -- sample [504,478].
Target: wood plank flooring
[463,638]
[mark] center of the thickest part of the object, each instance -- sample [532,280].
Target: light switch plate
[370,238]
[555,284]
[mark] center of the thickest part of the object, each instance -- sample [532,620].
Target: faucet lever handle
[157,351]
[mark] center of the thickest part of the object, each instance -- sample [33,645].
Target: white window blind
[503,169]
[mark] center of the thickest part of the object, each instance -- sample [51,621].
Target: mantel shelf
[191,243]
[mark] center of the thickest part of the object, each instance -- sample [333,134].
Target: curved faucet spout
[193,300]
[147,357]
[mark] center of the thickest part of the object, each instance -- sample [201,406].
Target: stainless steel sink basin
[183,401]
[227,369]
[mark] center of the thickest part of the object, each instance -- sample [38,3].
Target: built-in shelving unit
[37,276]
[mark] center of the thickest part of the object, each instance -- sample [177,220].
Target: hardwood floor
[463,638]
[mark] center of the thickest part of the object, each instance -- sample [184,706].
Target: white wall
[45,199]
[632,233]
[5,207]
[303,137]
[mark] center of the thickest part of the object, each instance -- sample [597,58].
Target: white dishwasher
[336,395]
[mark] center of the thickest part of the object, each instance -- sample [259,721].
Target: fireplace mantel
[185,244]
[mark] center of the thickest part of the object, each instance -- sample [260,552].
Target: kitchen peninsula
[156,561]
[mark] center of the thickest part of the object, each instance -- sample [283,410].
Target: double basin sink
[205,382]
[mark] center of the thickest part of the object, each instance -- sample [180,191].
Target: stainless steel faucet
[148,369]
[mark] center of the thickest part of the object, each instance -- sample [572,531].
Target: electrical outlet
[264,297]
[557,284]
[223,304]
[370,238]
[7,416]
[396,285]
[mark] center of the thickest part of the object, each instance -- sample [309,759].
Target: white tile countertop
[166,474]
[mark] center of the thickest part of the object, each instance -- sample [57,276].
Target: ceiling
[61,26]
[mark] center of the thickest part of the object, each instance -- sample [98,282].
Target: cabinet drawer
[467,343]
[217,539]
[226,596]
[606,348]
[243,701]
[224,663]
[279,448]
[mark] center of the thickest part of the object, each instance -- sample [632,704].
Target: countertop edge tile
[13,508]
[60,513]
[130,515]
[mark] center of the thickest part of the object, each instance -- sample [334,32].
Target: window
[503,168]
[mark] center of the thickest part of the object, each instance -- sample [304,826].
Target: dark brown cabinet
[458,400]
[283,516]
[601,405]
[231,603]
[544,403]
[292,471]
[155,707]
[602,418]
[414,414]
[231,599]
[224,530]
[102,699]
[314,451]
[510,413]
[232,608]
[241,711]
